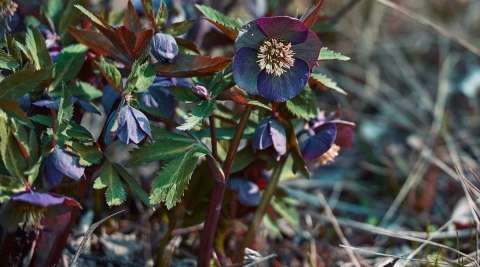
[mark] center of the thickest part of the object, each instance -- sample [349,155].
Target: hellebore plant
[155,85]
[274,57]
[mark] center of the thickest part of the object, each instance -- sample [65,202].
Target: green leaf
[13,49]
[68,64]
[304,105]
[160,150]
[133,184]
[54,10]
[258,104]
[70,17]
[82,90]
[224,133]
[92,16]
[22,82]
[140,78]
[327,54]
[183,93]
[199,112]
[225,24]
[287,212]
[115,194]
[192,65]
[78,132]
[13,152]
[322,80]
[298,161]
[7,61]
[162,14]
[9,186]
[37,49]
[179,28]
[12,108]
[65,112]
[111,73]
[89,154]
[43,120]
[173,179]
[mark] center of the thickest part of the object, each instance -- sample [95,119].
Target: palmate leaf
[89,154]
[22,82]
[173,179]
[160,150]
[82,90]
[115,193]
[327,54]
[162,15]
[199,112]
[227,25]
[133,184]
[111,73]
[14,150]
[192,65]
[65,112]
[7,61]
[68,64]
[304,105]
[13,110]
[36,48]
[179,28]
[322,80]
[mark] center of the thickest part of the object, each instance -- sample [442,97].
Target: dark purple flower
[274,57]
[201,92]
[43,199]
[130,126]
[164,47]
[109,97]
[58,164]
[55,103]
[270,132]
[157,96]
[24,102]
[248,193]
[319,142]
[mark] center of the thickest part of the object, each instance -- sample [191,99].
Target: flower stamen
[329,156]
[275,56]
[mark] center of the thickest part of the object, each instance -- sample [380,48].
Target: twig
[87,236]
[338,230]
[431,25]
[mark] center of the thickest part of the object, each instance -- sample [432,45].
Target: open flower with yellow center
[274,57]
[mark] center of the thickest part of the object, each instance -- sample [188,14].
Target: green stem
[219,187]
[260,210]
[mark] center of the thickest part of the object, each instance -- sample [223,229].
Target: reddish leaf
[127,38]
[230,33]
[100,44]
[311,15]
[143,42]
[132,21]
[187,44]
[234,94]
[148,11]
[192,65]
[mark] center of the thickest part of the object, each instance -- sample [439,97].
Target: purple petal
[314,146]
[67,164]
[344,136]
[249,36]
[109,134]
[279,137]
[159,98]
[246,69]
[287,85]
[142,121]
[261,138]
[309,50]
[88,107]
[285,28]
[109,97]
[51,176]
[248,192]
[48,103]
[39,199]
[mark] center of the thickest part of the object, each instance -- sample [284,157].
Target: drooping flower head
[274,57]
[58,164]
[26,208]
[270,132]
[326,137]
[158,96]
[130,126]
[164,47]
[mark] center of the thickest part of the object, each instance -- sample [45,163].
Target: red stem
[220,184]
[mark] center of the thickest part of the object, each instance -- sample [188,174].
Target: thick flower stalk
[274,57]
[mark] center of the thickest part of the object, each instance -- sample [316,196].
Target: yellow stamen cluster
[275,56]
[329,156]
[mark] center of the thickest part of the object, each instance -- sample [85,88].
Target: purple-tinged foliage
[201,92]
[130,126]
[157,96]
[248,193]
[58,164]
[274,57]
[164,47]
[270,132]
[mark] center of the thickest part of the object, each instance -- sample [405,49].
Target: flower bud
[201,92]
[164,47]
